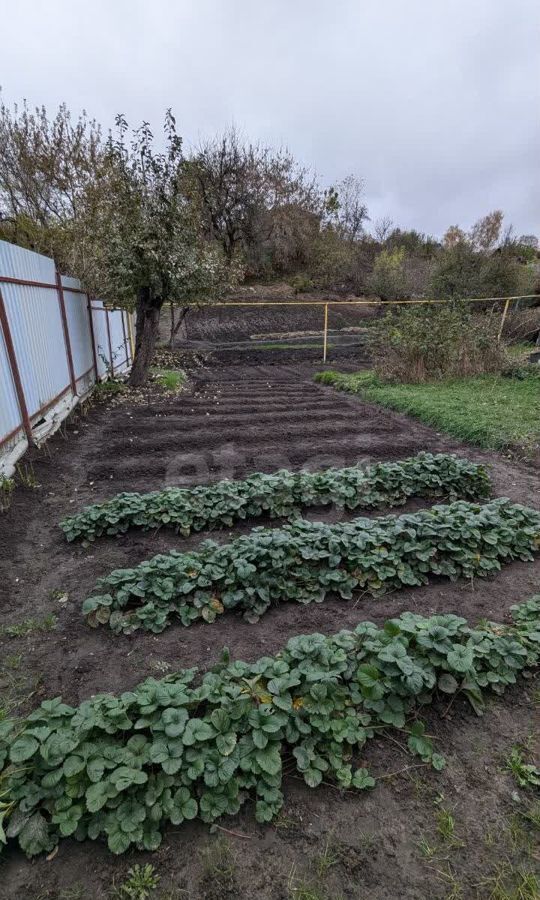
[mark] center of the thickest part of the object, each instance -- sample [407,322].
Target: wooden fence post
[503,320]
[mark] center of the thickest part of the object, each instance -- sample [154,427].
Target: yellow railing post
[325,342]
[505,312]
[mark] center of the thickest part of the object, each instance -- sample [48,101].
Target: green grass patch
[169,379]
[489,410]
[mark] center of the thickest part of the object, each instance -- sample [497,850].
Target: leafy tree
[456,273]
[486,232]
[147,238]
[454,235]
[415,243]
[339,264]
[474,266]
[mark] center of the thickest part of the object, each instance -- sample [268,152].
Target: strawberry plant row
[122,767]
[307,561]
[281,495]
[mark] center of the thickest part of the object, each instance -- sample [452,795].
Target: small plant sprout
[26,475]
[526,774]
[446,828]
[219,865]
[7,487]
[140,883]
[428,851]
[299,889]
[326,860]
[28,626]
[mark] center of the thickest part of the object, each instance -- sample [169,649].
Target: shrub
[282,494]
[306,561]
[429,342]
[388,279]
[121,767]
[301,284]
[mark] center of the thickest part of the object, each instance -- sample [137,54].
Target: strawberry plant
[307,561]
[282,494]
[122,767]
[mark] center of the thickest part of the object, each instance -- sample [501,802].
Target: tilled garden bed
[233,421]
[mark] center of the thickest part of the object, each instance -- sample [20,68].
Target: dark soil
[241,334]
[231,421]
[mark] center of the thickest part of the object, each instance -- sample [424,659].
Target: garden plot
[234,423]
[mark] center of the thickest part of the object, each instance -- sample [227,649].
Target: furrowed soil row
[259,418]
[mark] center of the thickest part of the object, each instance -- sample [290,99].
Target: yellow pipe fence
[379,303]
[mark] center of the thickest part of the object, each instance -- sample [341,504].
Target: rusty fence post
[92,337]
[19,390]
[109,340]
[65,327]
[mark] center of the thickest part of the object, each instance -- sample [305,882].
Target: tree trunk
[146,334]
[172,332]
[179,327]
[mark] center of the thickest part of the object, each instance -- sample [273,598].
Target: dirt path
[237,420]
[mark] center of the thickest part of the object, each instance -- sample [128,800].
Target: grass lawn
[489,410]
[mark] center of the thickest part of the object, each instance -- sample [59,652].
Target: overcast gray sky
[436,103]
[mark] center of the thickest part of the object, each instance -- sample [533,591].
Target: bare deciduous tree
[528,240]
[382,228]
[50,168]
[239,186]
[351,213]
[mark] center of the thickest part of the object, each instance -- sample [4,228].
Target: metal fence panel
[38,329]
[119,341]
[16,262]
[101,335]
[10,414]
[80,336]
[35,323]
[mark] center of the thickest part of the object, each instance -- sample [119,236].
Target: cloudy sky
[435,103]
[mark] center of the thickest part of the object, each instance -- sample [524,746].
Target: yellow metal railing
[378,303]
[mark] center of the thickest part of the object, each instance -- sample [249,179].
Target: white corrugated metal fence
[54,344]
